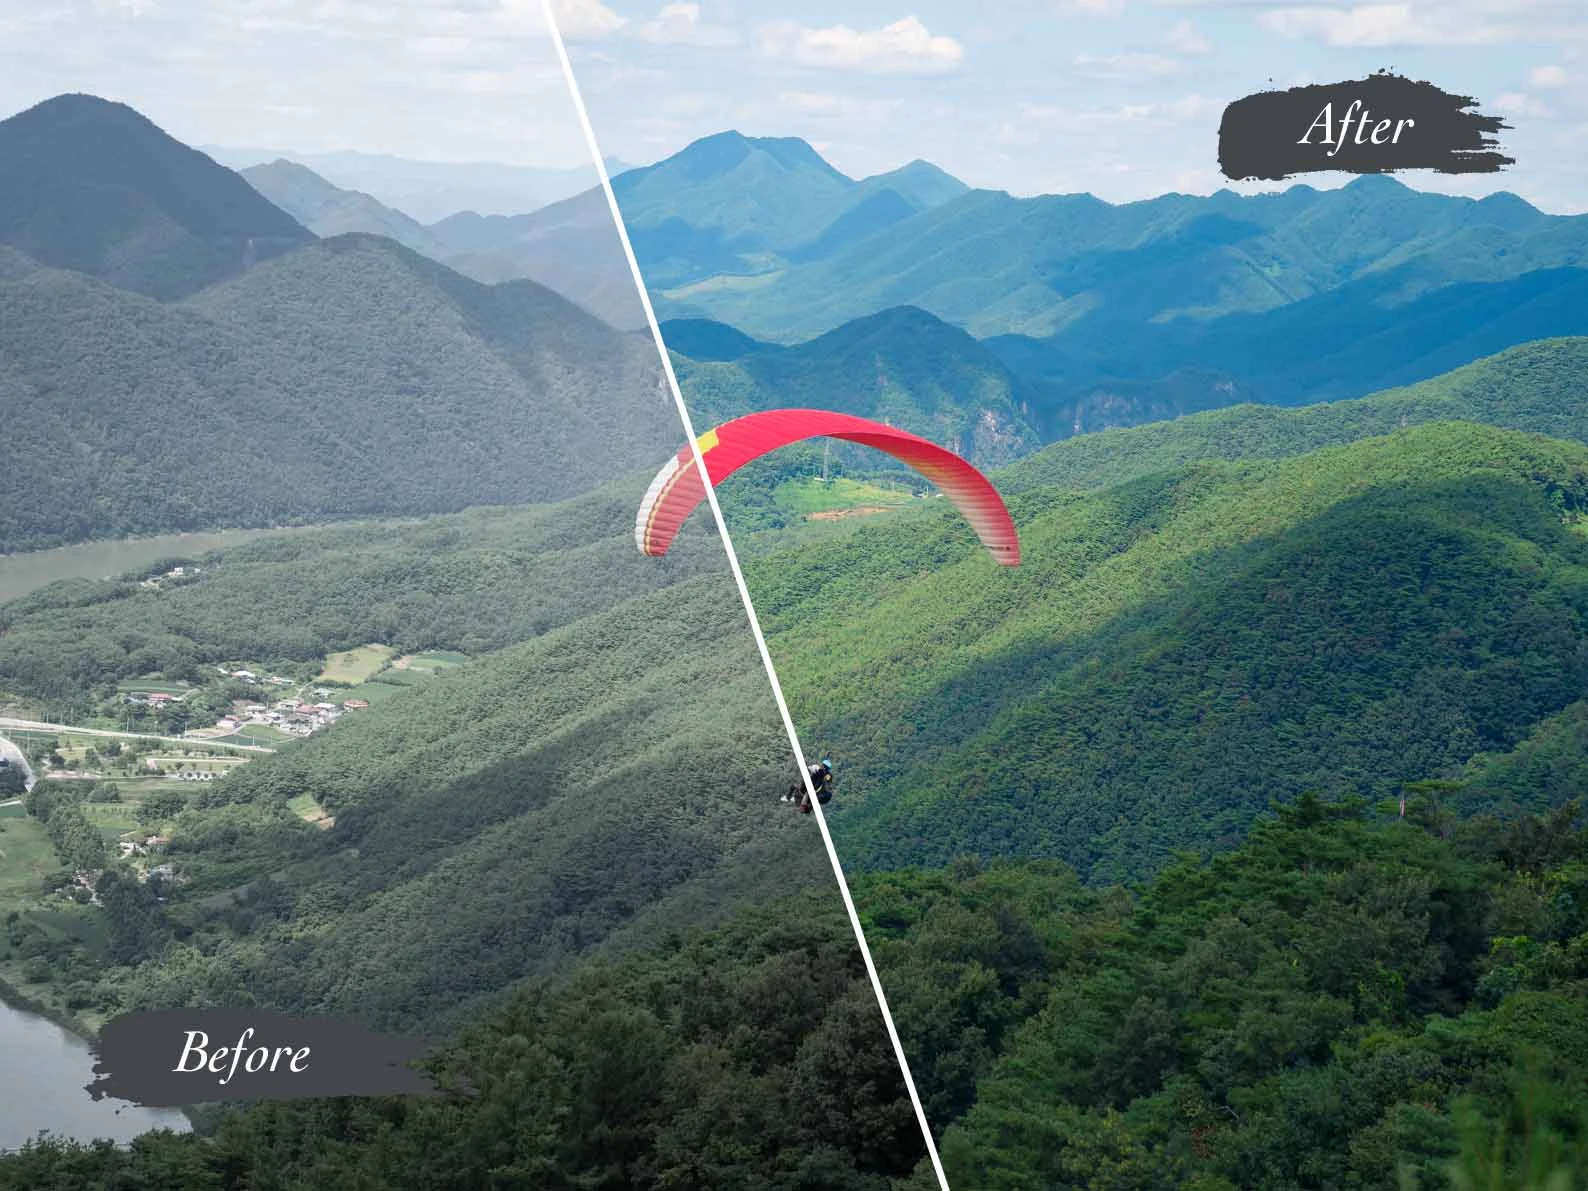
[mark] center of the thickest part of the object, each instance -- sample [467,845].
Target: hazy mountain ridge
[429,191]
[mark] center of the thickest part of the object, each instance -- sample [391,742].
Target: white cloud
[1517,103]
[1184,39]
[581,20]
[1040,123]
[427,79]
[904,47]
[1548,76]
[1046,8]
[1124,67]
[680,24]
[826,105]
[1377,26]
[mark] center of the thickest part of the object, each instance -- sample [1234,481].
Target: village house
[355,704]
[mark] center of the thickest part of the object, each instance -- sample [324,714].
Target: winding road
[37,726]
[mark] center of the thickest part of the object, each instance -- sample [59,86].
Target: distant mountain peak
[92,185]
[721,152]
[1377,184]
[1507,200]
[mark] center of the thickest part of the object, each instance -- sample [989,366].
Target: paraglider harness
[821,779]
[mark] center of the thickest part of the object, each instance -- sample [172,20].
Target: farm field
[356,665]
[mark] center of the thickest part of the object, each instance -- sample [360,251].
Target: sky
[441,80]
[1121,98]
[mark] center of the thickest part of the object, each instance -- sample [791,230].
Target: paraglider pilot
[821,778]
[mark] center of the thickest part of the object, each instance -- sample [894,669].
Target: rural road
[14,755]
[36,726]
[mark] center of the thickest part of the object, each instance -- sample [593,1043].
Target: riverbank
[49,1061]
[13,996]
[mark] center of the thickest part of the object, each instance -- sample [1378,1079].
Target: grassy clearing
[258,734]
[26,856]
[375,693]
[152,686]
[813,497]
[723,281]
[308,808]
[431,660]
[356,665]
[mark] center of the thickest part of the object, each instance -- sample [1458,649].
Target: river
[22,573]
[46,1070]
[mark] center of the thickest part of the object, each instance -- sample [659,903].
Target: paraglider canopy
[678,489]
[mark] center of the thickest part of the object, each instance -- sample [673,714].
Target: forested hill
[348,378]
[1541,387]
[91,185]
[901,366]
[1177,650]
[1346,1000]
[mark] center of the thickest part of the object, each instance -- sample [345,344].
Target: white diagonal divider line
[744,591]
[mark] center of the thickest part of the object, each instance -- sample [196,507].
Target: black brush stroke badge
[171,1058]
[1376,125]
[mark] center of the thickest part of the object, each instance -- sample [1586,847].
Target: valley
[1232,840]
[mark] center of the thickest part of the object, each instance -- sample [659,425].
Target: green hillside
[1110,371]
[473,582]
[93,186]
[1540,387]
[749,1056]
[1178,650]
[1346,1000]
[492,820]
[350,378]
[902,366]
[571,246]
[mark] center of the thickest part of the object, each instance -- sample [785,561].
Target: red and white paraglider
[678,488]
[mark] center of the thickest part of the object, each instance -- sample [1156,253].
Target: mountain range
[1107,314]
[176,352]
[571,246]
[428,191]
[1095,315]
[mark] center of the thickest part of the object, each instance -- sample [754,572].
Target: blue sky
[444,80]
[1118,97]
